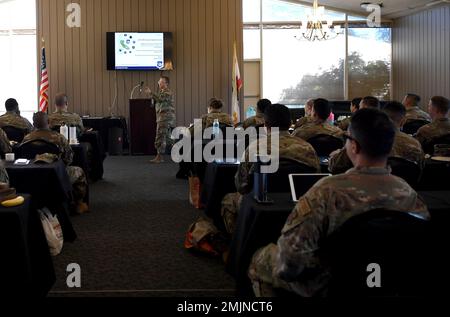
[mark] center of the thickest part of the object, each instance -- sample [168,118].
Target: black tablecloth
[96,156]
[26,267]
[49,186]
[218,181]
[259,225]
[102,125]
[80,156]
[435,176]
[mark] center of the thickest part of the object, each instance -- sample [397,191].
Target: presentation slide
[139,51]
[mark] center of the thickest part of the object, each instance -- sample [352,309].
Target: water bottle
[331,118]
[216,128]
[64,130]
[251,112]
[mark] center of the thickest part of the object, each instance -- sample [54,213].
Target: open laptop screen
[301,183]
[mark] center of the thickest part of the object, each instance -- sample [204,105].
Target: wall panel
[421,53]
[204,32]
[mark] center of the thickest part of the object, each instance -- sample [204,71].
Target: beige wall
[421,54]
[204,31]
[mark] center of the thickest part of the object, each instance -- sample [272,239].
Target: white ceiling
[391,8]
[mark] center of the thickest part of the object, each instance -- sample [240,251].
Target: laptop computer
[301,183]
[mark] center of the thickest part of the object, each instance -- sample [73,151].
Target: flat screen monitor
[139,51]
[302,183]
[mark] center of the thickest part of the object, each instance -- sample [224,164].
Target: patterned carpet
[131,244]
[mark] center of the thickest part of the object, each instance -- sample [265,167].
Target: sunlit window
[293,71]
[18,61]
[369,62]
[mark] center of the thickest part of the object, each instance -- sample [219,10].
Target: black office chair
[412,126]
[56,128]
[399,243]
[325,144]
[30,149]
[429,147]
[279,182]
[408,170]
[14,134]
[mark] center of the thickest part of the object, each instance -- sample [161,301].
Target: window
[352,65]
[369,62]
[295,71]
[252,44]
[18,55]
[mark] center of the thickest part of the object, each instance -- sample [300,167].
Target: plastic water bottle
[216,128]
[251,112]
[64,130]
[331,118]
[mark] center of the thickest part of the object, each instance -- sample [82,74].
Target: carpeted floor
[131,244]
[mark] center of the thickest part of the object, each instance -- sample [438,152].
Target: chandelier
[314,29]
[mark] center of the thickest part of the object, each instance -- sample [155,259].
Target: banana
[19,200]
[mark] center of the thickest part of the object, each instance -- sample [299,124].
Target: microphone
[140,86]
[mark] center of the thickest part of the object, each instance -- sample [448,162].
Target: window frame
[347,23]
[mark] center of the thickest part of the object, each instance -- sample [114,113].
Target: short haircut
[278,116]
[371,102]
[215,103]
[440,103]
[374,132]
[61,99]
[322,108]
[414,97]
[356,102]
[11,104]
[167,79]
[262,105]
[40,120]
[395,110]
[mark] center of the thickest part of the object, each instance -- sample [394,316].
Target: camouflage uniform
[12,119]
[436,129]
[58,118]
[328,205]
[289,147]
[208,120]
[311,129]
[76,174]
[415,113]
[302,121]
[344,124]
[405,146]
[5,146]
[165,119]
[255,121]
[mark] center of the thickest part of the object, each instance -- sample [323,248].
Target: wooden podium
[142,127]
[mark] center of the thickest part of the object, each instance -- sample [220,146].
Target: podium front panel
[142,127]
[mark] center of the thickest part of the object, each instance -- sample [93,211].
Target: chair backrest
[30,149]
[429,147]
[412,126]
[279,182]
[14,134]
[56,128]
[398,243]
[408,170]
[325,144]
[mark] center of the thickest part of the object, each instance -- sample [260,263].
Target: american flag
[43,93]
